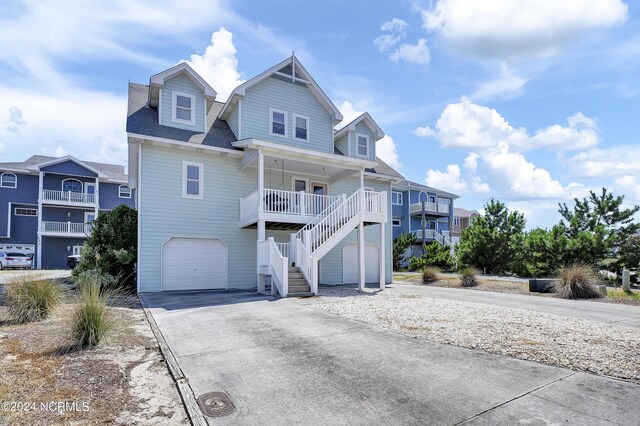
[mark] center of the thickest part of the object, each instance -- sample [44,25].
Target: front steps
[298,286]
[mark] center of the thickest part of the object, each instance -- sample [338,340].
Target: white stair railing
[322,231]
[278,268]
[308,265]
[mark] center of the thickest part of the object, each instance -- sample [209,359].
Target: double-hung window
[278,122]
[183,108]
[362,145]
[124,191]
[192,180]
[301,127]
[8,180]
[396,198]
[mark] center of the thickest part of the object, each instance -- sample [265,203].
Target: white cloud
[471,162]
[349,113]
[416,53]
[519,28]
[424,132]
[15,119]
[452,180]
[607,162]
[396,30]
[471,126]
[629,186]
[508,84]
[218,65]
[386,149]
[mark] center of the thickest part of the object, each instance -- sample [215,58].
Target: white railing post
[302,203]
[292,248]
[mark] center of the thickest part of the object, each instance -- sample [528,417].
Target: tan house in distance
[461,220]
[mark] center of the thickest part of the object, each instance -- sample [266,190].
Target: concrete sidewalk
[610,313]
[282,363]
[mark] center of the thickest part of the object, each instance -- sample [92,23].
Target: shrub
[577,282]
[429,274]
[90,319]
[105,280]
[31,298]
[468,277]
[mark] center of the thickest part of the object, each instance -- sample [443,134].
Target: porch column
[97,199]
[39,237]
[261,224]
[261,237]
[383,259]
[361,276]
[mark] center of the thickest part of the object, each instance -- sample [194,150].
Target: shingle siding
[183,84]
[294,99]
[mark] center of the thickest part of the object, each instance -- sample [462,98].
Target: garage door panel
[350,263]
[194,264]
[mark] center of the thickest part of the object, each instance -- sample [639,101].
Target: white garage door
[350,264]
[194,264]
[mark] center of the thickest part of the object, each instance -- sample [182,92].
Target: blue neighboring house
[47,203]
[269,186]
[412,203]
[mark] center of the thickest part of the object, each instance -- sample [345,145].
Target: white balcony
[433,235]
[283,206]
[50,196]
[65,229]
[430,208]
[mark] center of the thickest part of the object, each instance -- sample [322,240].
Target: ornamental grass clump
[31,298]
[91,320]
[430,274]
[468,277]
[577,282]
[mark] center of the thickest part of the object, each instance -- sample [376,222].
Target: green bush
[468,277]
[105,280]
[430,274]
[112,245]
[577,282]
[31,298]
[435,255]
[400,247]
[91,320]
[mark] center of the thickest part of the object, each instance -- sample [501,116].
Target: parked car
[15,260]
[73,260]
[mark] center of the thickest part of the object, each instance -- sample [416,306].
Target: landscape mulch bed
[122,381]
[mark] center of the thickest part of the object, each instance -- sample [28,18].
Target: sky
[531,102]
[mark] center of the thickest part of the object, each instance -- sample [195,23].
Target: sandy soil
[123,381]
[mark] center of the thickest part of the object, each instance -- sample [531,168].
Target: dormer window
[301,131]
[278,126]
[183,108]
[362,147]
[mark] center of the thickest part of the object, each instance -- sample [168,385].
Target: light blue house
[426,212]
[258,189]
[47,203]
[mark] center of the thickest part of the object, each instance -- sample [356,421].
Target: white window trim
[399,220]
[456,221]
[87,214]
[294,127]
[200,180]
[15,184]
[295,178]
[286,122]
[358,136]
[120,191]
[70,179]
[174,107]
[75,250]
[401,198]
[15,211]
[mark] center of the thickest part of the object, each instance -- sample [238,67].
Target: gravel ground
[573,343]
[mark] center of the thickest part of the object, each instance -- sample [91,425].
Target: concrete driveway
[282,363]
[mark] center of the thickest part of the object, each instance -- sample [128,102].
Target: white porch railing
[430,207]
[68,196]
[432,234]
[283,248]
[285,202]
[276,265]
[65,227]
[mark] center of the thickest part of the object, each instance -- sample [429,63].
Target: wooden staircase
[298,285]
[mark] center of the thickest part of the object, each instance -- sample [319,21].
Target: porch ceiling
[303,165]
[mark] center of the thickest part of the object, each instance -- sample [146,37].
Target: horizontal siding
[343,144]
[234,122]
[69,168]
[109,199]
[164,213]
[54,251]
[54,181]
[331,264]
[294,99]
[184,84]
[25,192]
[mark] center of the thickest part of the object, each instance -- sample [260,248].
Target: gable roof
[368,120]
[142,119]
[112,172]
[408,184]
[298,74]
[157,80]
[460,212]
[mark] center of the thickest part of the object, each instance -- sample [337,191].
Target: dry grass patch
[31,298]
[577,282]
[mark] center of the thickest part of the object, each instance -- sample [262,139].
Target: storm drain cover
[215,404]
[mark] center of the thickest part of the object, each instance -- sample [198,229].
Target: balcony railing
[65,227]
[432,234]
[430,207]
[285,202]
[68,196]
